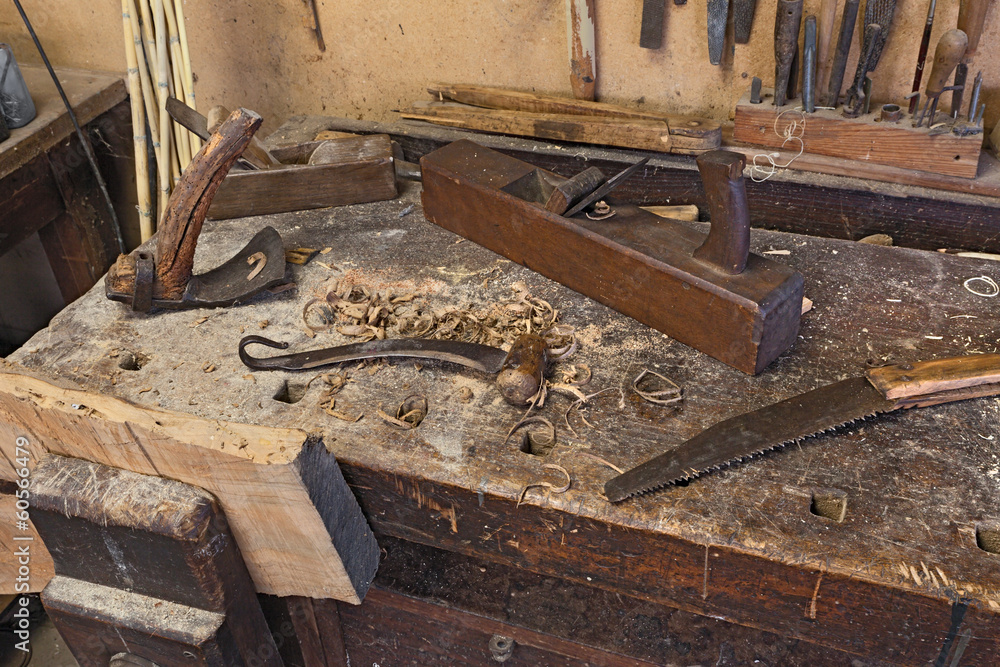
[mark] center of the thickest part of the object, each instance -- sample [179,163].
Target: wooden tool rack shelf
[734,565]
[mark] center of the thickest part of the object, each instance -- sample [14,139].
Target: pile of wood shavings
[358,312]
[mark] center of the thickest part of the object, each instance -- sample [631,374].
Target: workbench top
[889,581]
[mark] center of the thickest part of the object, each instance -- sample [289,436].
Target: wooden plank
[862,139]
[359,170]
[650,135]
[702,133]
[41,567]
[90,94]
[616,623]
[151,537]
[64,242]
[98,622]
[297,524]
[458,637]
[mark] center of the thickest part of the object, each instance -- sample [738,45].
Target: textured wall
[381,53]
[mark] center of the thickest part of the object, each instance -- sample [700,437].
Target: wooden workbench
[734,565]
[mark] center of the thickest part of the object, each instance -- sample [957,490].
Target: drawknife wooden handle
[521,374]
[933,377]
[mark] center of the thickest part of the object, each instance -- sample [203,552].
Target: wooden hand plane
[166,280]
[708,292]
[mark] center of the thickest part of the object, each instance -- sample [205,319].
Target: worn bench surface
[741,544]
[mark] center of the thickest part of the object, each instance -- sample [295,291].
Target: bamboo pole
[148,96]
[138,126]
[181,140]
[165,164]
[149,37]
[186,69]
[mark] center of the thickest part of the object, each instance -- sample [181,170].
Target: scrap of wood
[263,477]
[807,305]
[687,132]
[687,212]
[652,135]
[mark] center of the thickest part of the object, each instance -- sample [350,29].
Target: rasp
[877,12]
[519,371]
[746,436]
[743,11]
[651,28]
[718,13]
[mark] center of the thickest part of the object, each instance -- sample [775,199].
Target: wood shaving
[328,408]
[602,461]
[668,396]
[199,321]
[261,260]
[465,395]
[326,250]
[548,485]
[208,367]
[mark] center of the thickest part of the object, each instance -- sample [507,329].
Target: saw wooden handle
[933,377]
[523,369]
[947,55]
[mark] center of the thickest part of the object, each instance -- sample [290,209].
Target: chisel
[925,42]
[809,66]
[718,13]
[850,15]
[786,41]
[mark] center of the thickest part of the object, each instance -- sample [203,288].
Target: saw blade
[748,435]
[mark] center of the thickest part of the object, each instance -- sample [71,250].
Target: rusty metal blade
[748,435]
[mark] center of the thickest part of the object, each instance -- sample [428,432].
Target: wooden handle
[971,17]
[191,198]
[574,189]
[255,153]
[787,21]
[827,19]
[947,55]
[728,242]
[932,377]
[521,374]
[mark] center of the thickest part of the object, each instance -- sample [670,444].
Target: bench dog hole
[291,392]
[829,503]
[131,361]
[988,536]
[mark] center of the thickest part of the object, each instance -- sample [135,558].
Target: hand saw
[748,435]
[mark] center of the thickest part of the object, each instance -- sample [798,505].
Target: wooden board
[650,135]
[862,139]
[360,171]
[741,545]
[265,479]
[687,132]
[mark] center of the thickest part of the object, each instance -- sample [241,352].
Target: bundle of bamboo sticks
[156,52]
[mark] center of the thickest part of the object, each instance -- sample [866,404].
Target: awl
[749,435]
[519,371]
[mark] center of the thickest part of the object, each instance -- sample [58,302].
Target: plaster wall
[381,54]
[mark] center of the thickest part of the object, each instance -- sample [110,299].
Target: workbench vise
[706,291]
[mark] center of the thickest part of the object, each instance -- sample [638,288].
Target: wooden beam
[297,524]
